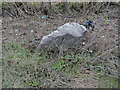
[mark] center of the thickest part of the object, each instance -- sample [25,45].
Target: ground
[24,68]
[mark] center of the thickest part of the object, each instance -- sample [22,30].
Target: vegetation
[91,65]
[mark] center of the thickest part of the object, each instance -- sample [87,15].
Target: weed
[78,73]
[106,17]
[106,22]
[32,83]
[60,65]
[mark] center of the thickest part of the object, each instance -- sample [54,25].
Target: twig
[108,51]
[95,58]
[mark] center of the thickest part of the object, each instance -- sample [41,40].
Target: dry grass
[86,66]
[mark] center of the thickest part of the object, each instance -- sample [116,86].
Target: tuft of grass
[106,20]
[108,82]
[78,73]
[90,17]
[60,65]
[32,83]
[106,17]
[16,50]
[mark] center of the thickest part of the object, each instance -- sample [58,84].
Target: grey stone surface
[64,37]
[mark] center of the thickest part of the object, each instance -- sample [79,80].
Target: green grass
[32,83]
[90,17]
[108,82]
[60,65]
[68,73]
[18,61]
[106,18]
[70,64]
[115,51]
[78,73]
[71,60]
[16,50]
[106,22]
[34,3]
[97,67]
[21,61]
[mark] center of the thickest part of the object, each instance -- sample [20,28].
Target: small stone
[90,51]
[16,30]
[83,43]
[31,31]
[102,36]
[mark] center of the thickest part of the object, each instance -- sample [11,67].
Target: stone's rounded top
[72,28]
[65,36]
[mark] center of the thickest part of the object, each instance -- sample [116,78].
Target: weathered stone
[66,36]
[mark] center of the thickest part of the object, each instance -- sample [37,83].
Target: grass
[70,64]
[90,17]
[106,22]
[78,73]
[97,67]
[68,73]
[60,65]
[23,68]
[34,3]
[16,50]
[18,61]
[32,83]
[106,18]
[108,82]
[116,51]
[18,26]
[33,68]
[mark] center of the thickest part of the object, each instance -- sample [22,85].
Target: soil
[24,30]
